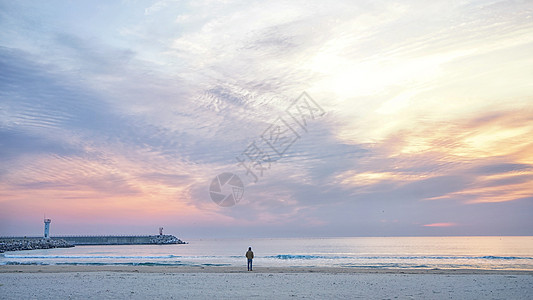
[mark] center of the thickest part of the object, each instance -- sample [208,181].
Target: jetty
[16,243]
[162,239]
[33,243]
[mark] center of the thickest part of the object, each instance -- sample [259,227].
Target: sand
[146,282]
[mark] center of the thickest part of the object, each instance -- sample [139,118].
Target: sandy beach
[52,282]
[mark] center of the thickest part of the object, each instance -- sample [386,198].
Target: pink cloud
[447,224]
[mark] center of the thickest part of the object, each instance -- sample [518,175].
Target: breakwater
[121,240]
[29,243]
[32,244]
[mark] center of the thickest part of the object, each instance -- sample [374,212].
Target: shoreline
[260,270]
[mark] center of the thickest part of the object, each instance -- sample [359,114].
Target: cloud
[428,112]
[157,6]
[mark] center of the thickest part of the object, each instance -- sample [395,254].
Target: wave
[92,256]
[505,257]
[279,256]
[174,263]
[298,256]
[487,257]
[9,263]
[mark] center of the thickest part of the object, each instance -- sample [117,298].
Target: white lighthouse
[47,228]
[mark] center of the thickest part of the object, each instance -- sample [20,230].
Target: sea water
[493,253]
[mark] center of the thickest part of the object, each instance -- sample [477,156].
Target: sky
[339,118]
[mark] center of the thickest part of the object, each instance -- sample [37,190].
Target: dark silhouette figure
[250,257]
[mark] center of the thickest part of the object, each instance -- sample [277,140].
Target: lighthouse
[47,228]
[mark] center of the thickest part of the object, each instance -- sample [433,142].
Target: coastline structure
[28,243]
[17,244]
[47,228]
[161,239]
[32,243]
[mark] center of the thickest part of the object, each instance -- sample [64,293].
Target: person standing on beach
[250,257]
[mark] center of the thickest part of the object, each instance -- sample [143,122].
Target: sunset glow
[440,225]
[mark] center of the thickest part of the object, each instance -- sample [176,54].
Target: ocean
[491,253]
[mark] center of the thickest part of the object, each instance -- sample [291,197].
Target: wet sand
[193,269]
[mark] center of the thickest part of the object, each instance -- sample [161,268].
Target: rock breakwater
[122,240]
[32,244]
